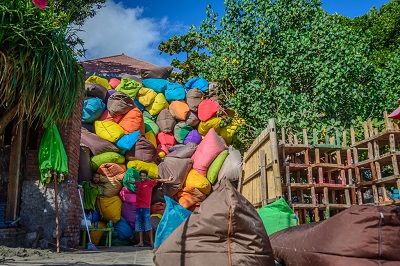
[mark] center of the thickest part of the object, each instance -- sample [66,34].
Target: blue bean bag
[158,85]
[174,92]
[123,229]
[139,105]
[93,108]
[174,215]
[198,83]
[128,141]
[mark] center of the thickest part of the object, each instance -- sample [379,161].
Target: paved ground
[125,255]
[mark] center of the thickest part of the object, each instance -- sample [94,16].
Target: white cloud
[116,29]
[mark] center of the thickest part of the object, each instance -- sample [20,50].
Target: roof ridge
[120,55]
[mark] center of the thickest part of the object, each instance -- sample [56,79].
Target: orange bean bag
[113,170]
[179,110]
[132,121]
[189,196]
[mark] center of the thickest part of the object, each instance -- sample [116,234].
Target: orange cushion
[132,121]
[179,109]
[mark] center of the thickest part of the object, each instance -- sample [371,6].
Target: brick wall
[37,203]
[12,237]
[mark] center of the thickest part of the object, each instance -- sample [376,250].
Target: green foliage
[292,61]
[79,10]
[38,69]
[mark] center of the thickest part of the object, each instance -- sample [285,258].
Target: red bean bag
[207,109]
[107,116]
[167,139]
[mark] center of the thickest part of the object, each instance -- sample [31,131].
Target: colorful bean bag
[179,110]
[146,96]
[150,137]
[195,179]
[107,116]
[95,90]
[166,139]
[162,72]
[111,208]
[232,167]
[207,151]
[198,83]
[129,214]
[114,82]
[173,216]
[158,85]
[131,176]
[181,130]
[225,230]
[108,130]
[208,109]
[177,168]
[151,168]
[194,98]
[186,151]
[132,121]
[96,235]
[139,105]
[227,133]
[113,170]
[96,144]
[119,103]
[192,119]
[158,208]
[127,196]
[109,93]
[149,124]
[215,166]
[129,87]
[174,92]
[144,150]
[193,136]
[161,148]
[110,186]
[92,109]
[129,76]
[189,196]
[214,123]
[102,81]
[84,170]
[158,105]
[127,141]
[106,157]
[165,121]
[123,228]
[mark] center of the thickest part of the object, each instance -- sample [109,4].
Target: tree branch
[6,119]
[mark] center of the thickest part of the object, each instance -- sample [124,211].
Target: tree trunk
[7,118]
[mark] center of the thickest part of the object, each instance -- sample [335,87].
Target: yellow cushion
[102,81]
[111,208]
[213,122]
[150,137]
[146,96]
[108,130]
[151,168]
[194,179]
[158,105]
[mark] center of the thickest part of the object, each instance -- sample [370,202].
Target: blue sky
[136,27]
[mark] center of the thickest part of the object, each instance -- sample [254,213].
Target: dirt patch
[7,254]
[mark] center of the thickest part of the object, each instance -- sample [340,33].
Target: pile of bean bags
[166,128]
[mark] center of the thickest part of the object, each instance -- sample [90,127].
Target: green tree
[79,10]
[39,73]
[292,61]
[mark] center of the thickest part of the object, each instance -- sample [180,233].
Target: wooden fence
[261,169]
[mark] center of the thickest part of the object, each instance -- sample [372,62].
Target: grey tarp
[232,167]
[226,230]
[359,236]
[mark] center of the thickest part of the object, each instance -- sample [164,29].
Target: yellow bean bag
[146,96]
[102,81]
[194,179]
[111,208]
[108,130]
[151,168]
[158,105]
[151,137]
[204,127]
[96,235]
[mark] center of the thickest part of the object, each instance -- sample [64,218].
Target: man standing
[143,201]
[91,193]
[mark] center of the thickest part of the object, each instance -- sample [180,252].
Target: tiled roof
[116,65]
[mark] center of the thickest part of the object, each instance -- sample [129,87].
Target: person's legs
[139,225]
[147,225]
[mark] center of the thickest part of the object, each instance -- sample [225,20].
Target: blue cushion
[127,141]
[174,92]
[92,109]
[199,83]
[123,229]
[158,85]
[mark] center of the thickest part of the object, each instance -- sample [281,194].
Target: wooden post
[56,211]
[263,176]
[347,197]
[275,158]
[14,179]
[289,189]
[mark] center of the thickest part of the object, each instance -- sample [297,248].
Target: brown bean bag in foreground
[359,236]
[226,230]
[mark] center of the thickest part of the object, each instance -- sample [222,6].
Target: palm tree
[40,78]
